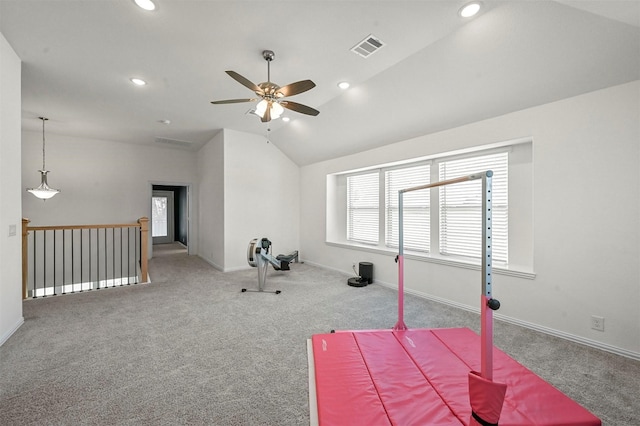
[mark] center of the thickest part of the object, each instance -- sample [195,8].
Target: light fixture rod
[268,56]
[43,152]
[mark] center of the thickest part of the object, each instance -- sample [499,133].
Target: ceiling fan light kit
[271,103]
[276,109]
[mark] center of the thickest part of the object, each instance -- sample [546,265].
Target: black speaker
[366,271]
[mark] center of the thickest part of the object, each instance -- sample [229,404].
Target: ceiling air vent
[368,46]
[174,142]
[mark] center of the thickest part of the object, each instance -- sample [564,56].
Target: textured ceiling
[436,71]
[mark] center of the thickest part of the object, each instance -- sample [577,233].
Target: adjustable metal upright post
[400,325]
[487,303]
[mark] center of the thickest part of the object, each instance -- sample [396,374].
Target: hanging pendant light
[44,192]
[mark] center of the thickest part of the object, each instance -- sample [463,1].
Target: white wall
[261,196]
[10,207]
[100,181]
[586,218]
[257,188]
[211,196]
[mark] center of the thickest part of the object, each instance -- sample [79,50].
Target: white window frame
[520,209]
[363,207]
[460,207]
[416,205]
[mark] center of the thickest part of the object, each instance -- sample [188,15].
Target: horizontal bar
[447,182]
[57,227]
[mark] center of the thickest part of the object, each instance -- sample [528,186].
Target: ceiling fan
[273,103]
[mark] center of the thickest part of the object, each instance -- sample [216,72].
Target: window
[416,209]
[362,208]
[461,207]
[442,224]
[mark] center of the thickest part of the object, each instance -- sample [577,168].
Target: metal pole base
[244,290]
[400,326]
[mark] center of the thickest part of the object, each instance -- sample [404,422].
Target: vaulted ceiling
[435,71]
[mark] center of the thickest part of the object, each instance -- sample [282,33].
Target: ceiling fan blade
[267,114]
[295,88]
[233,101]
[244,81]
[303,109]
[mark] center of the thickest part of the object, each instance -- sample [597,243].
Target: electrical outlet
[353,265]
[597,323]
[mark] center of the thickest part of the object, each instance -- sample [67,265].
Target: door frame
[192,244]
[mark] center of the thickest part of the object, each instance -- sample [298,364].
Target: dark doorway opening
[180,211]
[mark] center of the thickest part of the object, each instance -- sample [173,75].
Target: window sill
[441,260]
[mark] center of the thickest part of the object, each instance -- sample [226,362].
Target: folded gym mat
[420,377]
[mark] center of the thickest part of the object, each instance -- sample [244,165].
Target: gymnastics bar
[487,303]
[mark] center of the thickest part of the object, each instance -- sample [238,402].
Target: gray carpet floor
[190,348]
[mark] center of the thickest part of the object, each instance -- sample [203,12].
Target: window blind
[415,205]
[461,207]
[362,208]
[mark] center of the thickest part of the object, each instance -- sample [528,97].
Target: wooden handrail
[59,227]
[25,256]
[142,223]
[144,246]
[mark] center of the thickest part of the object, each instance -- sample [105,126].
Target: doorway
[170,216]
[162,217]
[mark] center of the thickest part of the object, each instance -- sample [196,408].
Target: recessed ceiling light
[138,81]
[146,4]
[469,9]
[286,119]
[343,85]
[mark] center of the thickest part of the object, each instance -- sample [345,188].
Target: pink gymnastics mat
[419,377]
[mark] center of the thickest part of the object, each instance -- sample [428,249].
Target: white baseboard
[571,337]
[12,330]
[222,269]
[532,326]
[526,324]
[218,267]
[340,271]
[237,268]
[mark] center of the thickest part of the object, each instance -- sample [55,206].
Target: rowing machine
[258,256]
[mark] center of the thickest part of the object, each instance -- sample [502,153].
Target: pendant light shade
[44,192]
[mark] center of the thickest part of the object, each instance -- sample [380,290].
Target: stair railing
[69,259]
